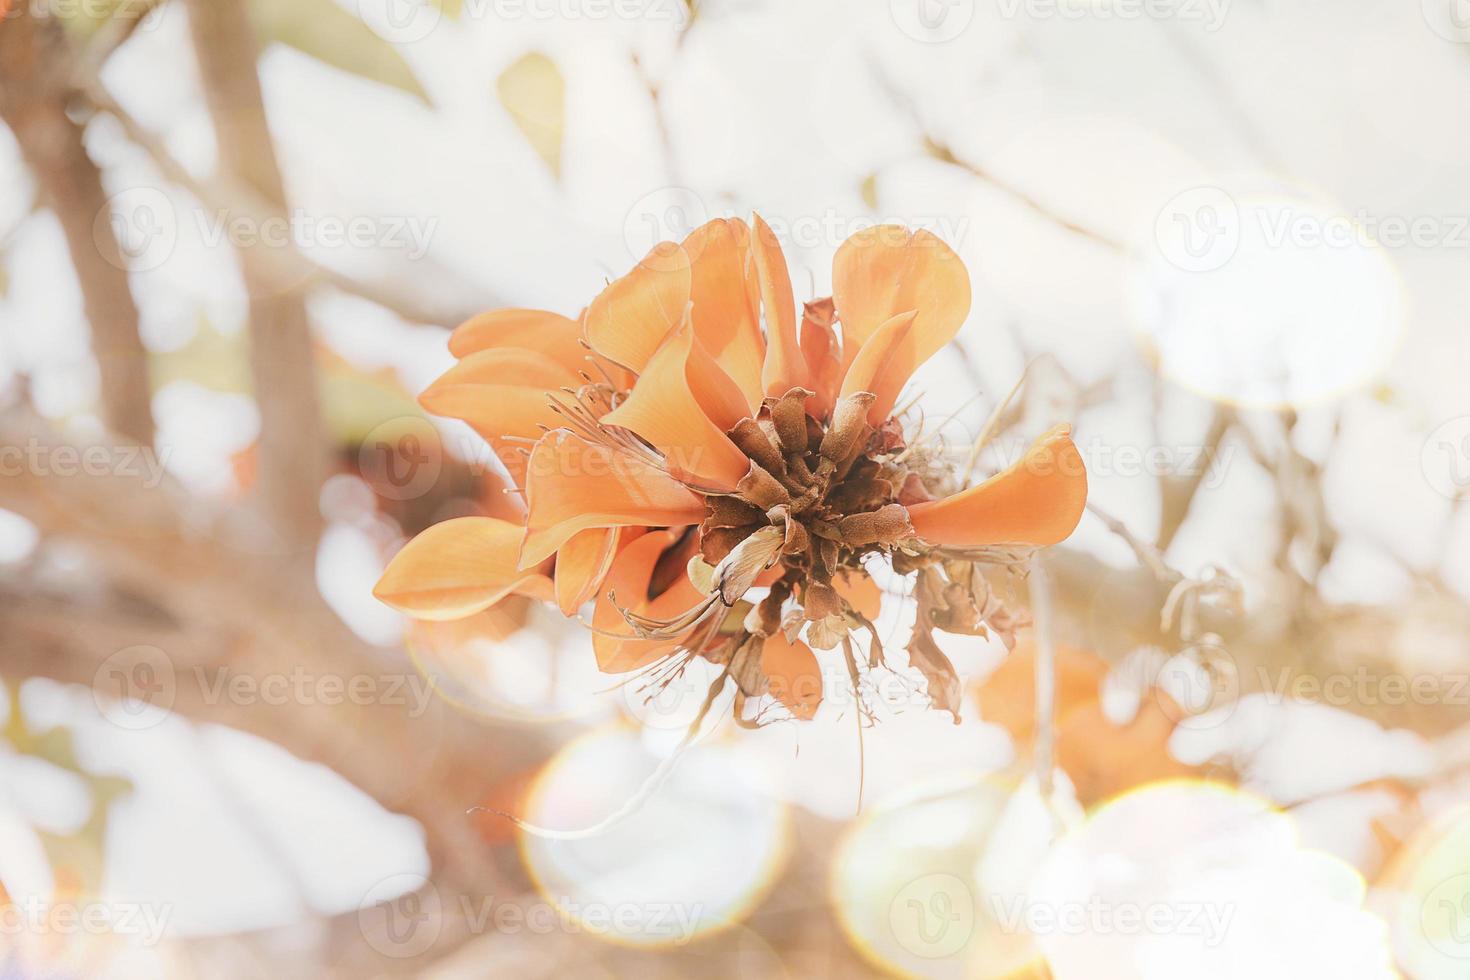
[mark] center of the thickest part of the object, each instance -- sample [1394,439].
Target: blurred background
[1227,239]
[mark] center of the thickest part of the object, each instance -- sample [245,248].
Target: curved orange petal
[784,367]
[794,675]
[885,270]
[457,568]
[1037,501]
[581,565]
[726,322]
[556,336]
[717,393]
[873,368]
[573,485]
[664,409]
[515,366]
[502,391]
[819,350]
[626,588]
[628,321]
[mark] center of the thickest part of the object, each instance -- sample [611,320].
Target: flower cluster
[715,473]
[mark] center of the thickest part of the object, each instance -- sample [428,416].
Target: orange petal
[882,271]
[718,395]
[794,675]
[457,568]
[785,367]
[627,589]
[726,322]
[873,369]
[664,410]
[581,565]
[631,317]
[860,592]
[1037,501]
[1007,695]
[511,366]
[558,337]
[573,485]
[819,350]
[503,391]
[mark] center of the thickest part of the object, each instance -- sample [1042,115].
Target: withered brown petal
[913,491]
[751,437]
[822,601]
[939,674]
[886,525]
[849,426]
[788,413]
[762,489]
[718,542]
[730,512]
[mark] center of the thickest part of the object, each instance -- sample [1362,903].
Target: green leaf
[534,93]
[328,33]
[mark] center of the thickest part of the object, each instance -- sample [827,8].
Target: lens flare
[694,859]
[906,884]
[1425,892]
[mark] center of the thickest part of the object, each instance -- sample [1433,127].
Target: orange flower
[713,472]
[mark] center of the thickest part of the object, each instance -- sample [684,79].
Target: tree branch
[293,447]
[33,102]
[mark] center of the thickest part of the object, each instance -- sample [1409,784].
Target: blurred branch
[1177,493]
[113,34]
[286,269]
[940,150]
[293,446]
[33,102]
[1149,556]
[195,589]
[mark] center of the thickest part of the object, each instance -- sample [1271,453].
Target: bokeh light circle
[693,859]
